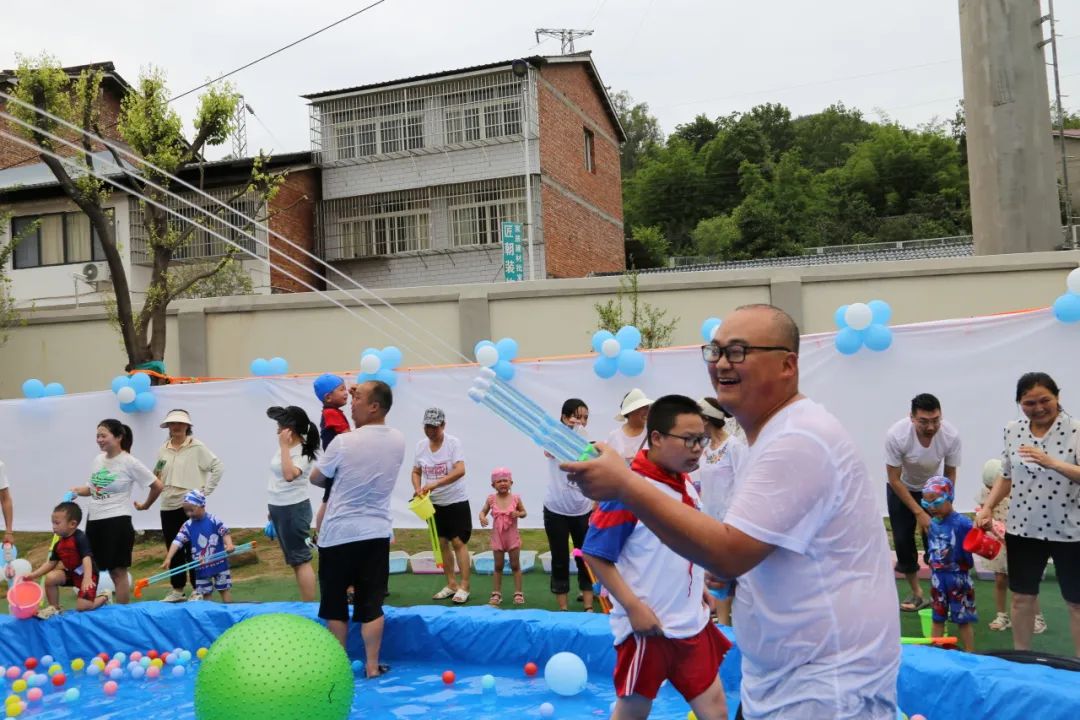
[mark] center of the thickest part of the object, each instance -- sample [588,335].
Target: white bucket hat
[179,416]
[634,400]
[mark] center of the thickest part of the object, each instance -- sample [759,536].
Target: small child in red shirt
[70,564]
[333,394]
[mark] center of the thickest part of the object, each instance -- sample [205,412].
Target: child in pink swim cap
[505,510]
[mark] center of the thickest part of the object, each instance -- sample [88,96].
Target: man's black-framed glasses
[736,354]
[690,441]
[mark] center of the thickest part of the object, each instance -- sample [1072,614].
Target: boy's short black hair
[71,510]
[665,411]
[925,402]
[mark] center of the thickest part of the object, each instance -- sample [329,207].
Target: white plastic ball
[566,674]
[546,710]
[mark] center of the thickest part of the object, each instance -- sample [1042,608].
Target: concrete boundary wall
[220,337]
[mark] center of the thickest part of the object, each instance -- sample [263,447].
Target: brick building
[418,174]
[52,264]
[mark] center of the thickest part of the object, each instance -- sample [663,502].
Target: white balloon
[858,316]
[19,567]
[487,355]
[370,364]
[1073,281]
[990,472]
[126,395]
[610,347]
[105,582]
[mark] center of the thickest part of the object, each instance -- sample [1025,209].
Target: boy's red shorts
[72,579]
[690,664]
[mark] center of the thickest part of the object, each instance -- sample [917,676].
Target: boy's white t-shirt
[438,465]
[917,463]
[717,473]
[626,445]
[364,464]
[817,620]
[672,586]
[282,492]
[111,482]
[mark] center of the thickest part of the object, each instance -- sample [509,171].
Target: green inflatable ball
[277,666]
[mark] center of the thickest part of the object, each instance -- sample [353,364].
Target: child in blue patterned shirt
[206,535]
[952,595]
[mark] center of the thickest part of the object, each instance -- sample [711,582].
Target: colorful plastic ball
[152,654]
[136,656]
[71,695]
[170,659]
[15,709]
[153,671]
[104,657]
[357,666]
[144,662]
[12,698]
[30,663]
[120,658]
[178,671]
[116,674]
[157,662]
[93,670]
[546,710]
[531,669]
[46,660]
[201,653]
[54,668]
[110,687]
[59,679]
[448,677]
[565,674]
[78,664]
[185,656]
[249,655]
[34,694]
[12,672]
[916,716]
[138,671]
[487,682]
[19,685]
[132,665]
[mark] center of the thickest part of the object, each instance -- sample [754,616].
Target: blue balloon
[482,343]
[504,370]
[384,375]
[145,401]
[631,363]
[881,312]
[120,381]
[53,389]
[1066,309]
[140,382]
[508,349]
[629,337]
[279,366]
[390,357]
[877,337]
[129,407]
[33,388]
[838,317]
[599,337]
[260,367]
[708,328]
[848,341]
[606,367]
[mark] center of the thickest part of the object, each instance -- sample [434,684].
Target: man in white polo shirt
[915,449]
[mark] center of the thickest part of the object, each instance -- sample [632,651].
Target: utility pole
[565,35]
[1069,237]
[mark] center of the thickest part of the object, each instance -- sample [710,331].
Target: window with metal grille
[376,225]
[477,210]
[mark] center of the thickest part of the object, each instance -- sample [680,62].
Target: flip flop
[914,604]
[383,669]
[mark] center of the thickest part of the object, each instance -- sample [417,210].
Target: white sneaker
[195,597]
[173,596]
[1040,624]
[1001,622]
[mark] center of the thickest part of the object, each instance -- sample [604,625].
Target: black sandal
[383,669]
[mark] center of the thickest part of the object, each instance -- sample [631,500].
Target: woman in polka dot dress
[1039,467]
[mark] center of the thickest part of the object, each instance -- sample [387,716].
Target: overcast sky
[682,57]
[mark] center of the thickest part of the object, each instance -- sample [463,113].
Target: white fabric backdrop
[971,365]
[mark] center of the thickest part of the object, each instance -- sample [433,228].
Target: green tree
[742,140]
[642,130]
[717,237]
[826,139]
[231,279]
[647,247]
[655,328]
[774,121]
[777,212]
[154,132]
[698,132]
[668,190]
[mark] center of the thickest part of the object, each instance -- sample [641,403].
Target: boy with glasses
[658,617]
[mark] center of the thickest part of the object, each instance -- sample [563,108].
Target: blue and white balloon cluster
[618,352]
[1067,306]
[34,389]
[261,367]
[863,324]
[498,356]
[133,393]
[379,365]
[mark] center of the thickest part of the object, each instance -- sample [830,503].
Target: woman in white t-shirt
[566,516]
[289,503]
[113,476]
[629,438]
[715,477]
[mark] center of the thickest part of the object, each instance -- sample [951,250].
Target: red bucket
[24,598]
[982,543]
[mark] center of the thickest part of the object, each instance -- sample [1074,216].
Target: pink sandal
[519,598]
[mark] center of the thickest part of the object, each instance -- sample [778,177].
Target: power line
[279,50]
